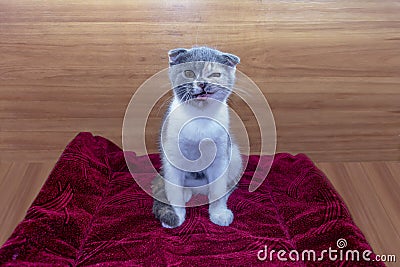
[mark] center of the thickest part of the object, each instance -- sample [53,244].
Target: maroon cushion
[91,211]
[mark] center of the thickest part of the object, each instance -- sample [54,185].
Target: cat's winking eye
[214,75]
[189,74]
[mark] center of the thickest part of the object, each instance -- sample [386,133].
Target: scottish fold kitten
[197,150]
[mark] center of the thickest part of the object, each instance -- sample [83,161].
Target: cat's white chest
[201,128]
[193,124]
[187,126]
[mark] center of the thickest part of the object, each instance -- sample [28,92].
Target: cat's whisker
[186,97]
[233,104]
[167,101]
[240,94]
[235,88]
[241,90]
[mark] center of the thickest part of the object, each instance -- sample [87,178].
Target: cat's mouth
[203,96]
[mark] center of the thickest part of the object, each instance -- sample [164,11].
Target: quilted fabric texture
[90,211]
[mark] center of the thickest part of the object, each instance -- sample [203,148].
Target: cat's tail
[163,211]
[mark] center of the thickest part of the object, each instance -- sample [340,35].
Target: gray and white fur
[209,75]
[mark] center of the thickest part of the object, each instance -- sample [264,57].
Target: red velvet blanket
[91,211]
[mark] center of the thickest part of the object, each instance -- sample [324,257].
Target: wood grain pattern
[20,182]
[370,190]
[330,71]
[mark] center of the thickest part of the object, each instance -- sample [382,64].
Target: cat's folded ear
[231,59]
[174,54]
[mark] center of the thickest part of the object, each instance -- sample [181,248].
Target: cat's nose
[202,85]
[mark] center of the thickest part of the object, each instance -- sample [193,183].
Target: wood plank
[370,193]
[19,186]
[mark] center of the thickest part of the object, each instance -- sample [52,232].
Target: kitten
[202,80]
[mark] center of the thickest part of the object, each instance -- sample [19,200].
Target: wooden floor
[330,71]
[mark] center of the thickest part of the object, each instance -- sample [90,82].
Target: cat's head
[202,73]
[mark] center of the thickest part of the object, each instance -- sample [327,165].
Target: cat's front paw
[222,217]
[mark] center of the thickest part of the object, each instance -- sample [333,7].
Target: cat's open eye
[214,75]
[189,74]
